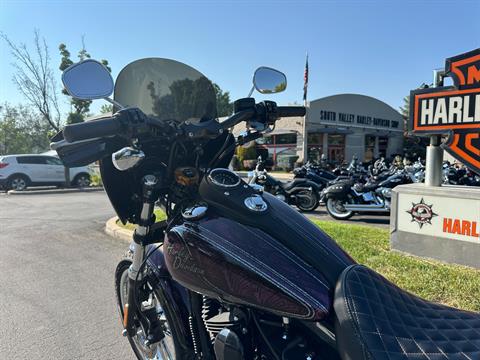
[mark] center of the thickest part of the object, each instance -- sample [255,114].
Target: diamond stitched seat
[378,320]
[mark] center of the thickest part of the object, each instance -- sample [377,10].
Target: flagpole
[304,147]
[304,130]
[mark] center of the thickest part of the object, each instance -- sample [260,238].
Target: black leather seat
[378,320]
[291,184]
[366,187]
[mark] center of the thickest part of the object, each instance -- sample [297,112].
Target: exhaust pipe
[366,207]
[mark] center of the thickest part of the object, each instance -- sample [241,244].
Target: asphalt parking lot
[56,277]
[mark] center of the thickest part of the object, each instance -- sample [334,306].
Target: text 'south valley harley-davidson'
[233,273]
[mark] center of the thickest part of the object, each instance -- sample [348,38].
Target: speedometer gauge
[224,178]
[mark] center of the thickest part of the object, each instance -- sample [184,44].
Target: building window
[284,139]
[280,139]
[369,147]
[315,146]
[382,146]
[336,147]
[315,139]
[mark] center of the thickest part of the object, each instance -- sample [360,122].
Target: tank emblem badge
[182,260]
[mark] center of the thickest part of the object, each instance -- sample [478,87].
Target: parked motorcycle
[314,173]
[301,192]
[345,198]
[459,175]
[318,175]
[232,273]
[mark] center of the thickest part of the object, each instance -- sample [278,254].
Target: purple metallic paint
[224,259]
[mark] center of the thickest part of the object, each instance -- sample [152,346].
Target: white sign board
[437,216]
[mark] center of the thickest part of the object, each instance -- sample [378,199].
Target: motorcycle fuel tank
[237,263]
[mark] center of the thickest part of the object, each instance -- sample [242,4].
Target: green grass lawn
[159,213]
[452,285]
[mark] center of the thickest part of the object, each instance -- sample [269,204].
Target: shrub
[95,179]
[247,153]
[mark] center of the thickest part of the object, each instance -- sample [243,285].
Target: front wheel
[165,349]
[307,200]
[336,209]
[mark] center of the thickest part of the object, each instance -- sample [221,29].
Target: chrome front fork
[141,231]
[139,236]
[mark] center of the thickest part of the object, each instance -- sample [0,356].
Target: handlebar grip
[288,111]
[109,126]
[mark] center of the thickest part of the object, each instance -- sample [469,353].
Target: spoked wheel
[166,348]
[307,200]
[336,209]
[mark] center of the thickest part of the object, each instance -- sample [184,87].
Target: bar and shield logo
[453,109]
[421,213]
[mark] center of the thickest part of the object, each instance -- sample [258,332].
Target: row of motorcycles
[350,189]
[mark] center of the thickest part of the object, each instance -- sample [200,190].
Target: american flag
[305,80]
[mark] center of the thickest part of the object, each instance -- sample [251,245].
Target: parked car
[17,172]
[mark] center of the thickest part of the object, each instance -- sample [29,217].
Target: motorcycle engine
[216,318]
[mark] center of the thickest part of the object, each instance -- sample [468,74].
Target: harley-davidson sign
[453,109]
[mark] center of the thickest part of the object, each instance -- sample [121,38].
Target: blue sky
[377,48]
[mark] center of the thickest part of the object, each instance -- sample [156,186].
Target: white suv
[17,172]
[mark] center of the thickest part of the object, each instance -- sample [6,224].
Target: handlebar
[237,118]
[288,111]
[107,126]
[131,120]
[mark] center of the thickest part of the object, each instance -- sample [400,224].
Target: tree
[405,108]
[186,99]
[224,106]
[34,78]
[106,109]
[80,107]
[22,130]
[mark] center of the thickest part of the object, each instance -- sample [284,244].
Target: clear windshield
[166,89]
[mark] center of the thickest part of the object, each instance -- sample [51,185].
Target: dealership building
[339,126]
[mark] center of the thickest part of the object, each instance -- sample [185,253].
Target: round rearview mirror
[88,80]
[268,81]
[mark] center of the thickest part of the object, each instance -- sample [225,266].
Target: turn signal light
[125,316]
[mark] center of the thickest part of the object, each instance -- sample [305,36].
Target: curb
[54,191]
[112,229]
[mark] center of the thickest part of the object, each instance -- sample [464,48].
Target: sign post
[434,153]
[431,220]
